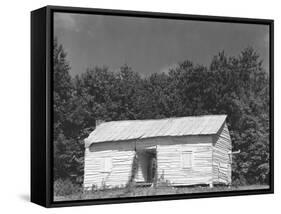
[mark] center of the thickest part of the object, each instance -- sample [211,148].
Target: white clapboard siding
[210,160]
[169,159]
[121,155]
[221,156]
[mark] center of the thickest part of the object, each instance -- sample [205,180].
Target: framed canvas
[133,106]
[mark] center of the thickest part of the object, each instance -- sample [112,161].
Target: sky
[152,45]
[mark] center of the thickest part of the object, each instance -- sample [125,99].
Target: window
[186,159]
[106,165]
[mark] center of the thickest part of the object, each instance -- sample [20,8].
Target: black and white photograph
[153,106]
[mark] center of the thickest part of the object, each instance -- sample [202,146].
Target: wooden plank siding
[170,165]
[121,154]
[169,158]
[222,157]
[210,160]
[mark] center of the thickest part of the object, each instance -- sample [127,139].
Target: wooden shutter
[106,165]
[187,159]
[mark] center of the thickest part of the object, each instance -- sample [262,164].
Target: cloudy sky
[151,45]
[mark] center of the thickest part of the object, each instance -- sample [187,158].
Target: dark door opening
[151,166]
[147,166]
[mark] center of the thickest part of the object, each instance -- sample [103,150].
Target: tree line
[237,86]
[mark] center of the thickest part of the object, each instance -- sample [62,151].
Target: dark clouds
[152,45]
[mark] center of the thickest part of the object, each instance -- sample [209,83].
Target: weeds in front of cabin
[66,188]
[164,189]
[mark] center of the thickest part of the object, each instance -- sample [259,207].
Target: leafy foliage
[236,86]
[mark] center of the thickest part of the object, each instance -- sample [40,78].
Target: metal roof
[140,129]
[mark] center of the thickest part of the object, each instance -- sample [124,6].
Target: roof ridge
[167,118]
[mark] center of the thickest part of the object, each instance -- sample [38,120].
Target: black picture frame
[41,104]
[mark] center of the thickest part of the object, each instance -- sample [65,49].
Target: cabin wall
[169,158]
[210,160]
[222,157]
[121,155]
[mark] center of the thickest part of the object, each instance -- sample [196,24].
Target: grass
[150,191]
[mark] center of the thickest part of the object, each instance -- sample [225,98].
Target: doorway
[147,166]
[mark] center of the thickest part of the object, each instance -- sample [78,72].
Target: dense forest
[237,86]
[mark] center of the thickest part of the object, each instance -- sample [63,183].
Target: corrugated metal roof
[140,129]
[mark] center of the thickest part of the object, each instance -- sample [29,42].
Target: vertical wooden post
[156,170]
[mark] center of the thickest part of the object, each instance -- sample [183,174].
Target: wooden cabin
[186,151]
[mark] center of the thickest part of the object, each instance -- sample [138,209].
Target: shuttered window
[106,165]
[186,159]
